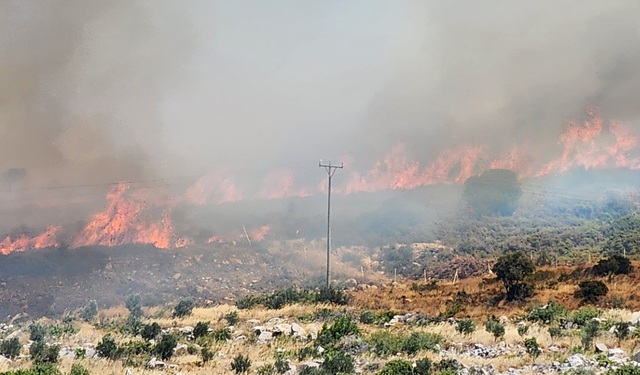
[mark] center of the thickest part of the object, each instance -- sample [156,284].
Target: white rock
[264,337]
[577,360]
[601,348]
[297,330]
[253,321]
[128,372]
[283,328]
[180,349]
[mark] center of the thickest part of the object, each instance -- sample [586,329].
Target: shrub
[590,290]
[522,329]
[78,369]
[241,364]
[151,331]
[134,348]
[206,354]
[622,331]
[107,347]
[232,318]
[494,327]
[532,347]
[183,308]
[165,347]
[37,332]
[466,327]
[201,329]
[367,317]
[555,332]
[585,314]
[307,352]
[625,370]
[41,353]
[423,367]
[589,332]
[267,369]
[424,287]
[338,363]
[80,353]
[614,265]
[221,334]
[397,367]
[342,327]
[549,313]
[281,365]
[421,341]
[449,365]
[10,348]
[39,369]
[134,305]
[90,311]
[384,343]
[332,295]
[247,302]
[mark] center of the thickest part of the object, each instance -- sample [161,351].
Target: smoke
[80,86]
[94,92]
[500,73]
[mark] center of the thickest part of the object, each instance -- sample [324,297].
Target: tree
[134,305]
[494,192]
[590,290]
[512,269]
[494,327]
[90,311]
[622,331]
[614,265]
[10,348]
[532,347]
[107,348]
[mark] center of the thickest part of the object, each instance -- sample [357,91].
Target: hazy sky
[111,90]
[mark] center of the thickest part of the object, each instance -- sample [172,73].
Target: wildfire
[280,184]
[120,223]
[216,187]
[22,243]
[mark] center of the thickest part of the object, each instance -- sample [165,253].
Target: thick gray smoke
[103,91]
[504,72]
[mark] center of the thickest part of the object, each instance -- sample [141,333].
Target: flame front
[22,243]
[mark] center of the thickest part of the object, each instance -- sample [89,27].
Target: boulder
[253,321]
[128,372]
[601,348]
[297,330]
[635,318]
[89,353]
[292,369]
[636,357]
[310,364]
[274,321]
[616,352]
[187,330]
[264,337]
[282,329]
[577,360]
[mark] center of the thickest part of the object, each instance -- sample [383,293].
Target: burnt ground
[51,281]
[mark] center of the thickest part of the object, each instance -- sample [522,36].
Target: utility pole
[331,170]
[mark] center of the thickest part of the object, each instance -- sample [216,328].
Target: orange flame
[22,243]
[120,224]
[279,184]
[215,188]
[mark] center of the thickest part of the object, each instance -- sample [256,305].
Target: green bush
[342,327]
[10,348]
[134,305]
[37,331]
[385,343]
[421,341]
[90,311]
[550,313]
[183,308]
[367,317]
[522,329]
[307,352]
[281,365]
[466,327]
[232,318]
[591,290]
[625,370]
[423,367]
[267,369]
[221,334]
[589,332]
[107,347]
[241,364]
[338,363]
[397,367]
[201,329]
[78,369]
[424,287]
[165,347]
[206,354]
[622,331]
[494,327]
[512,269]
[532,347]
[41,353]
[449,365]
[555,332]
[585,314]
[135,348]
[150,331]
[332,295]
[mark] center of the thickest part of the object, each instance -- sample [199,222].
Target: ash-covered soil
[52,281]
